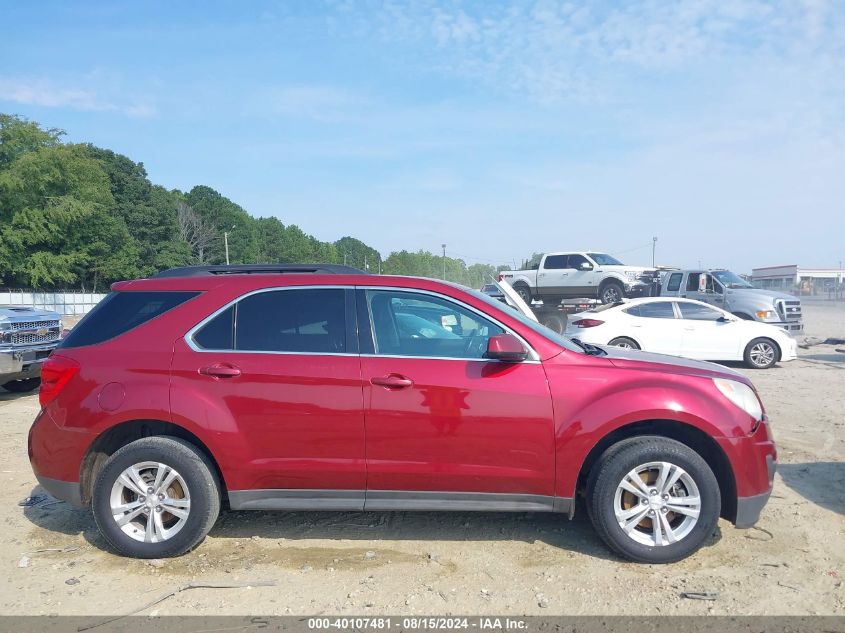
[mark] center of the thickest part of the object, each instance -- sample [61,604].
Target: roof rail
[253,269]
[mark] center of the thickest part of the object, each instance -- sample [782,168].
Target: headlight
[765,314]
[632,275]
[741,395]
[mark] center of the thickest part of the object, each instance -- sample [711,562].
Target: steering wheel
[475,346]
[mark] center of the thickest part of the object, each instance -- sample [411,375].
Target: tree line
[73,215]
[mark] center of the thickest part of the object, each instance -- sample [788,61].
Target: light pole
[653,249]
[444,261]
[226,243]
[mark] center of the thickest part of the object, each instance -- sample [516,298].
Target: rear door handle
[221,370]
[393,381]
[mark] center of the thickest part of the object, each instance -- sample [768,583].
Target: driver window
[415,324]
[575,261]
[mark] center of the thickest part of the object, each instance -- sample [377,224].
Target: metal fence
[61,302]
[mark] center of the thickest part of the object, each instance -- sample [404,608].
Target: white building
[798,280]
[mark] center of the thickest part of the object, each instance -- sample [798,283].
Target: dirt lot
[54,562]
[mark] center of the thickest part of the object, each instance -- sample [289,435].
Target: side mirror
[586,266]
[507,348]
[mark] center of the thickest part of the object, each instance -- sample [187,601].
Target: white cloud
[45,93]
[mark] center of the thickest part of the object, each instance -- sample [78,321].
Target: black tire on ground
[627,455]
[199,476]
[611,292]
[624,341]
[761,353]
[524,292]
[22,386]
[555,322]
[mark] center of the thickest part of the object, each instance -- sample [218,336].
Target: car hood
[18,313]
[648,361]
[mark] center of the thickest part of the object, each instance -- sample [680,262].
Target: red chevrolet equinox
[296,387]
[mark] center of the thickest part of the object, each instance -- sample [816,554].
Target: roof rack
[253,269]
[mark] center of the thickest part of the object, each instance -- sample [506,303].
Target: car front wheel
[761,353]
[653,500]
[156,497]
[612,292]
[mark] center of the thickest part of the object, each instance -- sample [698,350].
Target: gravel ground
[54,561]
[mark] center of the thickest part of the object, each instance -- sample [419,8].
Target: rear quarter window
[120,312]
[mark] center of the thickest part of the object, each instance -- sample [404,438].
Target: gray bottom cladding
[748,508]
[351,500]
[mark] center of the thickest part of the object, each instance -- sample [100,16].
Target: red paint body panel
[288,421]
[316,421]
[464,426]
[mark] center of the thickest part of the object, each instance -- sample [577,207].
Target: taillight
[56,372]
[587,323]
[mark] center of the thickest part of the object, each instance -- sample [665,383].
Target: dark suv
[320,387]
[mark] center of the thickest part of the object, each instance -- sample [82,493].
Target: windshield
[731,280]
[542,330]
[603,259]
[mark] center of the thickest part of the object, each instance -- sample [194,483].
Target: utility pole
[444,261]
[653,249]
[226,243]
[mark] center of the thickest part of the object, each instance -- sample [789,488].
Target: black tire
[554,322]
[761,353]
[624,341]
[199,476]
[22,386]
[611,469]
[524,292]
[611,292]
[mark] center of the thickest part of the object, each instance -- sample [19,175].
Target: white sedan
[683,327]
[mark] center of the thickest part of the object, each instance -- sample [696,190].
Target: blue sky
[498,128]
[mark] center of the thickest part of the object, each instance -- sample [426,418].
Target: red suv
[321,387]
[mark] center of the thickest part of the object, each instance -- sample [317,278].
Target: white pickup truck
[581,274]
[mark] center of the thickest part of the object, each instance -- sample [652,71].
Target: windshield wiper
[589,348]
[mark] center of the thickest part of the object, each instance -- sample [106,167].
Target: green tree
[19,136]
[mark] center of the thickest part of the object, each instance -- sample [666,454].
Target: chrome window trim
[189,337]
[534,357]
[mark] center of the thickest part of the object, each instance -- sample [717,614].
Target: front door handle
[393,381]
[221,370]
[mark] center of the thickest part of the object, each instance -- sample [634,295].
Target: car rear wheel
[624,341]
[761,353]
[611,292]
[156,497]
[22,386]
[653,500]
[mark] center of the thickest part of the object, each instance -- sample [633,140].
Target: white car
[683,327]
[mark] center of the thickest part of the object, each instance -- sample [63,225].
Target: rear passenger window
[674,282]
[657,310]
[219,333]
[307,320]
[120,312]
[556,262]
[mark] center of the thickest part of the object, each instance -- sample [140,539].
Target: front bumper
[64,490]
[793,327]
[639,289]
[748,509]
[21,363]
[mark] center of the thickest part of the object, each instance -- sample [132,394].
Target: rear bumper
[65,490]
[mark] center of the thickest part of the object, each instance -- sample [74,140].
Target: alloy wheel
[657,504]
[762,354]
[150,502]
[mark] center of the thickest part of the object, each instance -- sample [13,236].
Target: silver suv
[27,336]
